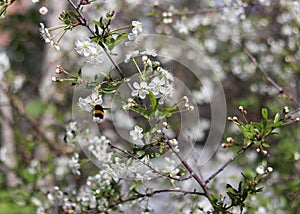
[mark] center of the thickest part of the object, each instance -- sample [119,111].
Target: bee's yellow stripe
[98,112]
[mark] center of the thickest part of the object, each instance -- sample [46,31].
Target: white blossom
[136,133]
[138,27]
[131,55]
[90,50]
[43,10]
[260,170]
[74,164]
[88,103]
[140,90]
[156,85]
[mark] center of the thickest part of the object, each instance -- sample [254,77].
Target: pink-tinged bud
[185,99]
[269,169]
[230,140]
[59,69]
[225,145]
[260,170]
[43,10]
[56,79]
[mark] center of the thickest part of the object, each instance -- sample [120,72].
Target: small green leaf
[168,112]
[153,102]
[79,72]
[277,124]
[277,118]
[266,145]
[161,149]
[141,111]
[264,113]
[140,153]
[213,198]
[108,90]
[97,23]
[116,41]
[230,189]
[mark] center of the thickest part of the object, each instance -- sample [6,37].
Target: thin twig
[189,168]
[244,149]
[269,79]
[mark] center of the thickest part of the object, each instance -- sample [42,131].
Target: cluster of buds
[243,111]
[60,70]
[233,119]
[185,101]
[131,103]
[48,38]
[260,170]
[262,150]
[286,115]
[229,142]
[167,15]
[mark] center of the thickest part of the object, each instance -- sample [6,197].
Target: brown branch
[189,168]
[244,149]
[269,79]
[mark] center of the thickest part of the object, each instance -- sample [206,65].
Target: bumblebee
[98,112]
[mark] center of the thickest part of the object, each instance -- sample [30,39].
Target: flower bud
[269,169]
[56,79]
[230,140]
[43,10]
[59,69]
[260,170]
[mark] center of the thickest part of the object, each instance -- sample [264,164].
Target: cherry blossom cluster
[91,51]
[135,32]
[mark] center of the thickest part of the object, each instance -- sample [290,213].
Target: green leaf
[277,124]
[277,118]
[168,112]
[230,189]
[266,145]
[141,153]
[116,41]
[161,148]
[213,198]
[108,90]
[264,113]
[141,111]
[151,14]
[79,72]
[97,23]
[153,102]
